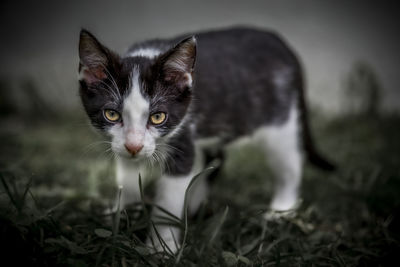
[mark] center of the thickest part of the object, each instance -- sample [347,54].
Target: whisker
[112,90]
[168,146]
[115,91]
[160,160]
[163,156]
[106,153]
[89,146]
[111,78]
[93,145]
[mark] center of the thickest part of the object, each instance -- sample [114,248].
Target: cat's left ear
[178,64]
[95,58]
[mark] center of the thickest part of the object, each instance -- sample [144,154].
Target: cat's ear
[94,58]
[178,63]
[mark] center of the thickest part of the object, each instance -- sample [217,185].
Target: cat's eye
[158,118]
[111,115]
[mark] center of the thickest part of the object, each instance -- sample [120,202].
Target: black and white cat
[168,100]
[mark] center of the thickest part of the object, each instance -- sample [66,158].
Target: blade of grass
[100,254]
[146,214]
[118,213]
[117,219]
[9,193]
[185,212]
[161,241]
[27,187]
[216,229]
[174,238]
[172,216]
[37,206]
[127,219]
[264,228]
[219,225]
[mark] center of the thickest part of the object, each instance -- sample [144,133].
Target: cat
[172,100]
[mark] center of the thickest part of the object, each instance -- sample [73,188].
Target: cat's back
[243,58]
[244,45]
[244,77]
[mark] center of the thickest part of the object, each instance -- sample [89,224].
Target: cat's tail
[313,155]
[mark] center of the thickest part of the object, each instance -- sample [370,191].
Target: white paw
[284,201]
[275,215]
[282,211]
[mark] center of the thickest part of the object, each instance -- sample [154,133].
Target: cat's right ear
[177,64]
[94,58]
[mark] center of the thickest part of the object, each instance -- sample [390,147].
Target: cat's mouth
[138,156]
[131,156]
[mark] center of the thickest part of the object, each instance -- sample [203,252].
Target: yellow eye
[111,115]
[158,118]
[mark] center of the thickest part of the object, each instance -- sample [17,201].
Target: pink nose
[133,148]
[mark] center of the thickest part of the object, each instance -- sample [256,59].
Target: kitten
[165,100]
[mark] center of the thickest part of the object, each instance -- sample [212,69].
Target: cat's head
[140,102]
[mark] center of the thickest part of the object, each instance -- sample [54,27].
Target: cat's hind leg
[283,151]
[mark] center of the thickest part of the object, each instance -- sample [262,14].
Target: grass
[54,187]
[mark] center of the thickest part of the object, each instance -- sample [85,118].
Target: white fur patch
[136,107]
[189,80]
[284,158]
[81,73]
[179,127]
[134,129]
[145,52]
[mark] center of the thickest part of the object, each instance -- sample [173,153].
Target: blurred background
[40,40]
[57,175]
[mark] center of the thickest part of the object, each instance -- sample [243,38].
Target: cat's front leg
[170,195]
[184,162]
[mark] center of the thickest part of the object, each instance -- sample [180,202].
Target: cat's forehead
[140,74]
[140,63]
[136,103]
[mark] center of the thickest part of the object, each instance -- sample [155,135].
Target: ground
[56,180]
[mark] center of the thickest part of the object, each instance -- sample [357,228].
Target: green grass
[54,187]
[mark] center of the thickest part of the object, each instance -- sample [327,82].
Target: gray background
[39,39]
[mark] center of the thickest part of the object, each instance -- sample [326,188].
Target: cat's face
[139,102]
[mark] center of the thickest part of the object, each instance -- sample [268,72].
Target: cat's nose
[133,148]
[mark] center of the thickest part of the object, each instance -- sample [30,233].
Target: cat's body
[165,100]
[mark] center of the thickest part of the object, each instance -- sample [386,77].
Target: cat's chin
[136,158]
